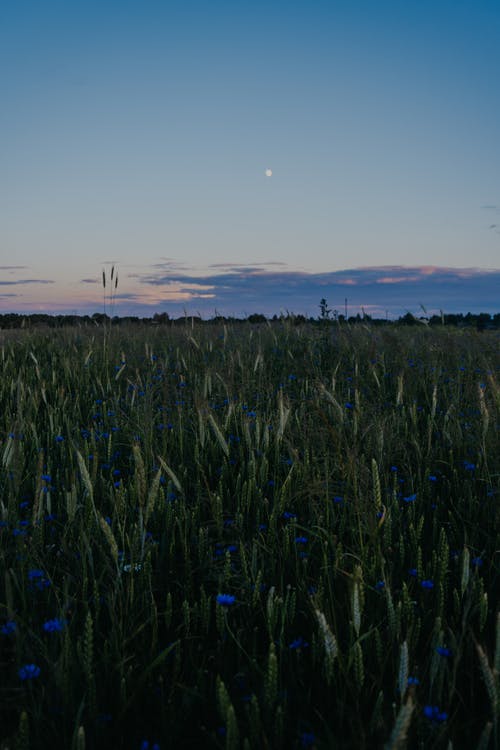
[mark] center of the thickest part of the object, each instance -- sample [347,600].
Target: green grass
[342,484]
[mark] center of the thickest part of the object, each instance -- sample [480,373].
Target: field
[268,536]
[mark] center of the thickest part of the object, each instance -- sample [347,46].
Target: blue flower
[410,498]
[8,627]
[443,651]
[412,572]
[146,746]
[307,739]
[428,584]
[477,562]
[348,405]
[29,672]
[225,600]
[38,579]
[298,643]
[59,439]
[301,540]
[55,625]
[435,714]
[380,585]
[413,681]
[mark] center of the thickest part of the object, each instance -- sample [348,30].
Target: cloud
[252,266]
[239,290]
[396,279]
[13,268]
[90,281]
[27,281]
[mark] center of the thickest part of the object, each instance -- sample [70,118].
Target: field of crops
[267,536]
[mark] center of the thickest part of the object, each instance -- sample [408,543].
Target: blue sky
[138,133]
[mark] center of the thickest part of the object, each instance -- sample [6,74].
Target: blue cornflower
[412,572]
[443,651]
[468,466]
[29,672]
[410,498]
[428,584]
[477,562]
[146,746]
[307,739]
[46,478]
[8,627]
[413,681]
[288,516]
[435,714]
[59,439]
[301,540]
[225,600]
[380,585]
[298,643]
[348,405]
[55,625]
[37,578]
[432,478]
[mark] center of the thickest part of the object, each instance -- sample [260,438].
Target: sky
[138,135]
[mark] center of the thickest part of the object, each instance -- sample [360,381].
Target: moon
[269,172]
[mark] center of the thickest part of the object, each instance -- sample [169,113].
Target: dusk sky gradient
[138,133]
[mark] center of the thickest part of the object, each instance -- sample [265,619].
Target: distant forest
[480,321]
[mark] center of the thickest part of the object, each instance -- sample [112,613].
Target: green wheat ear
[403,669]
[232,732]
[489,680]
[377,492]
[399,733]
[23,732]
[80,739]
[223,699]
[109,538]
[271,683]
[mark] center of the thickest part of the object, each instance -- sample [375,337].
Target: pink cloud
[396,279]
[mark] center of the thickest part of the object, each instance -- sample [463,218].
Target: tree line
[480,321]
